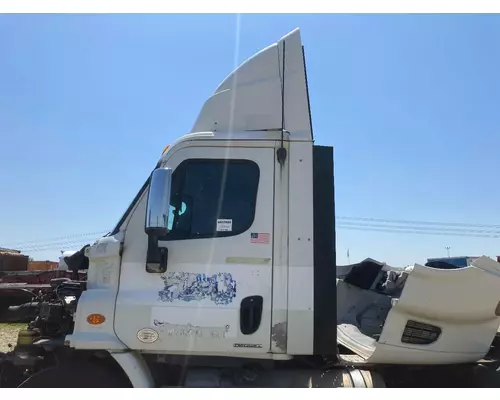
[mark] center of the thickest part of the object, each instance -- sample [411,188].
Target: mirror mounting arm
[157,257]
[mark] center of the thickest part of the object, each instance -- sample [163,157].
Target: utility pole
[448,250]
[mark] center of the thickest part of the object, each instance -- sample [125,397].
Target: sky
[409,102]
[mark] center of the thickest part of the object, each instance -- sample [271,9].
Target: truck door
[215,296]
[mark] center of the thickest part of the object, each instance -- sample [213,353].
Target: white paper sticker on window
[224,225]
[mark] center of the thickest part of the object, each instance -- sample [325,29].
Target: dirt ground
[8,334]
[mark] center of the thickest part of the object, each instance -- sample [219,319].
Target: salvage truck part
[222,270]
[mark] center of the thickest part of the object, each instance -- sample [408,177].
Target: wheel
[358,378]
[76,375]
[331,378]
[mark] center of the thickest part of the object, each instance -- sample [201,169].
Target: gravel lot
[8,334]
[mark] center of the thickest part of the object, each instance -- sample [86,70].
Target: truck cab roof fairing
[250,98]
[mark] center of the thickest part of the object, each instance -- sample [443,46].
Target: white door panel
[195,305]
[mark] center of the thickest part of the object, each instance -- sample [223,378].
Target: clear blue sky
[411,104]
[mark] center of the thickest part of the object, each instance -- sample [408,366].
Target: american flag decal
[260,238]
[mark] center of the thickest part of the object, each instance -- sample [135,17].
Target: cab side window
[212,198]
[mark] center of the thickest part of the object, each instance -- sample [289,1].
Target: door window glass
[212,198]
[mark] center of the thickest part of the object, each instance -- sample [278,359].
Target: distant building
[42,265]
[12,260]
[459,262]
[5,250]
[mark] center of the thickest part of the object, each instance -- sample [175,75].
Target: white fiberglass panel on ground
[441,317]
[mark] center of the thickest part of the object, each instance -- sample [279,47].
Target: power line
[413,222]
[58,243]
[343,222]
[408,231]
[60,246]
[57,238]
[481,232]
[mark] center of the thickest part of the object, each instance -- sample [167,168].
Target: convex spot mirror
[158,205]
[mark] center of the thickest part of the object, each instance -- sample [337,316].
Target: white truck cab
[226,264]
[226,258]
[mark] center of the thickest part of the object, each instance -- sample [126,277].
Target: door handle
[250,314]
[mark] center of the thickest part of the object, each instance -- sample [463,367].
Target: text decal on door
[224,225]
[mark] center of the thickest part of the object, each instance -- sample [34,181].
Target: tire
[358,378]
[76,375]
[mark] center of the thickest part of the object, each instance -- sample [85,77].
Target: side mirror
[158,205]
